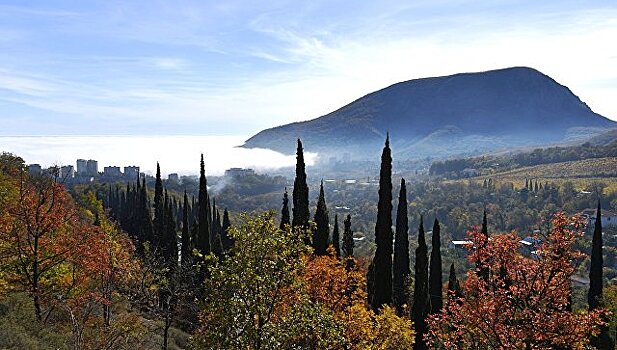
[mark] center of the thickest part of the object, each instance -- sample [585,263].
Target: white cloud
[281,66]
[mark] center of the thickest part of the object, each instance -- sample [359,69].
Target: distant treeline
[456,168]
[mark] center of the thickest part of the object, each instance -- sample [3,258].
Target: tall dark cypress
[419,310]
[216,244]
[401,269]
[595,271]
[226,239]
[336,239]
[454,288]
[185,252]
[285,220]
[300,195]
[435,287]
[203,222]
[144,217]
[594,296]
[348,243]
[382,261]
[159,211]
[170,238]
[322,229]
[483,270]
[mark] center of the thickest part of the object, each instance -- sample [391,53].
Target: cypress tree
[419,311]
[159,211]
[594,296]
[322,229]
[226,240]
[382,261]
[483,270]
[336,239]
[145,220]
[185,254]
[595,271]
[285,211]
[434,283]
[203,242]
[454,288]
[401,269]
[216,244]
[348,243]
[170,238]
[300,195]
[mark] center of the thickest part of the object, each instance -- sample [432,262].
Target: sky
[236,67]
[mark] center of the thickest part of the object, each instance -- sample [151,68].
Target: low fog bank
[176,154]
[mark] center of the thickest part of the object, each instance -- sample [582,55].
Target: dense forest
[339,265]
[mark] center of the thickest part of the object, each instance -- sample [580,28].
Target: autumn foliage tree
[66,257]
[271,293]
[523,301]
[42,230]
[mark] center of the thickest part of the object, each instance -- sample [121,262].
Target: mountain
[461,114]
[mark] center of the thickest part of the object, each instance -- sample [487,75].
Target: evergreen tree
[226,240]
[159,222]
[285,211]
[186,253]
[419,311]
[170,238]
[401,269]
[434,283]
[596,280]
[203,221]
[348,243]
[322,229]
[216,243]
[144,218]
[594,295]
[381,293]
[454,288]
[483,270]
[300,195]
[336,239]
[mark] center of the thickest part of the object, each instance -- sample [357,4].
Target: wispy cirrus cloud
[238,67]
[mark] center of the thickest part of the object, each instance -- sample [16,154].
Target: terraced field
[581,173]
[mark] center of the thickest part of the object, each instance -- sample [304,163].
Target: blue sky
[236,67]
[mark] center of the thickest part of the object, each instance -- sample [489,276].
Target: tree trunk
[35,280]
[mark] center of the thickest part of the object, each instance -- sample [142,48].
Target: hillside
[581,173]
[465,113]
[488,164]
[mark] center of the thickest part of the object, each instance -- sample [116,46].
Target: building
[112,171]
[131,172]
[92,167]
[238,172]
[608,217]
[67,172]
[529,245]
[35,169]
[81,166]
[173,177]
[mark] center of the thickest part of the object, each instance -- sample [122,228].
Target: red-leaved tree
[525,302]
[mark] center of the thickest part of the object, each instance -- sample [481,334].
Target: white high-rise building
[82,166]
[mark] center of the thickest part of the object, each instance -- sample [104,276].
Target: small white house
[608,217]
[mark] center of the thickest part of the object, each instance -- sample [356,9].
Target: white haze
[176,154]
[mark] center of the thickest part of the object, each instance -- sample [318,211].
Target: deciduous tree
[524,305]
